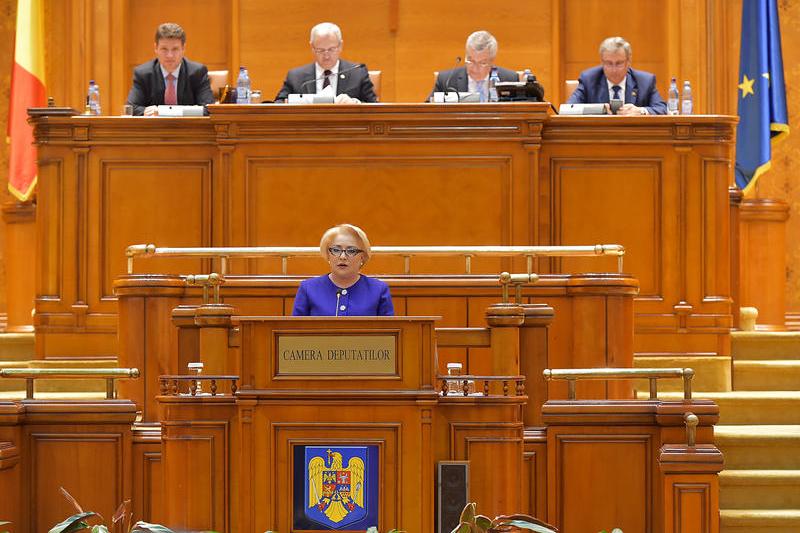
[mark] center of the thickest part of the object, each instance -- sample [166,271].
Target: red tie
[170,96]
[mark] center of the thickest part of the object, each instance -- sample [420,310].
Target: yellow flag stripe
[29,43]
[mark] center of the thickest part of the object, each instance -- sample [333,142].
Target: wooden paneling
[59,459]
[763,261]
[196,459]
[588,190]
[619,465]
[467,175]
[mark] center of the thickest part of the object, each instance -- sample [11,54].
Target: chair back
[218,79]
[375,78]
[569,88]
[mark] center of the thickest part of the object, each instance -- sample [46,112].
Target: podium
[357,399]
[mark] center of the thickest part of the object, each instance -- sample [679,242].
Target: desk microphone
[341,76]
[338,295]
[447,87]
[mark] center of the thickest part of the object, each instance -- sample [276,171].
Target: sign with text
[335,355]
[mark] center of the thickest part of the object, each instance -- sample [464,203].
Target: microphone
[447,86]
[341,76]
[338,295]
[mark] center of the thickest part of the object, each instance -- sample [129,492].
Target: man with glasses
[349,81]
[614,79]
[473,77]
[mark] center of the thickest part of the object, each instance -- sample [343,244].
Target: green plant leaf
[99,528]
[527,525]
[483,522]
[463,527]
[144,527]
[73,523]
[468,514]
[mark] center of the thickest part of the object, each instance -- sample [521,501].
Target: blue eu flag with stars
[762,96]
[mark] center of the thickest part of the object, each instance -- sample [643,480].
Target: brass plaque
[328,355]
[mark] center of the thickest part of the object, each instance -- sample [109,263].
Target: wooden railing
[652,374]
[32,374]
[191,385]
[406,252]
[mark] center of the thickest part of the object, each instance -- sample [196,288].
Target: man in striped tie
[170,78]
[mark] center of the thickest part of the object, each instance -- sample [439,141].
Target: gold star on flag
[747,86]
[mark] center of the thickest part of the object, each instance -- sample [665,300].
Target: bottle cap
[453,365]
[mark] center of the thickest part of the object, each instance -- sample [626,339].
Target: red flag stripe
[26,91]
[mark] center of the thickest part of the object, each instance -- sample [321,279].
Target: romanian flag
[27,90]
[763,119]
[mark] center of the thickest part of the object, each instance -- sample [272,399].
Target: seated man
[614,79]
[170,78]
[473,77]
[349,81]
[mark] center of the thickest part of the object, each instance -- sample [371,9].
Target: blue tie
[616,89]
[482,90]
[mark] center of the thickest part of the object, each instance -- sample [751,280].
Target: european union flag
[762,96]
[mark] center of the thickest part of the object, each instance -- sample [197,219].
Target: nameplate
[336,355]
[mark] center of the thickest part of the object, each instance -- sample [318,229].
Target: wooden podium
[326,383]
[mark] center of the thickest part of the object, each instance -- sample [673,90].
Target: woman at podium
[345,291]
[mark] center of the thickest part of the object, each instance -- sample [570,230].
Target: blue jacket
[640,90]
[366,297]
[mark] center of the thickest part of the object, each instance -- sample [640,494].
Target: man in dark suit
[614,79]
[170,78]
[349,81]
[481,51]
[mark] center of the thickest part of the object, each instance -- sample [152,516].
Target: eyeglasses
[350,251]
[616,64]
[482,64]
[332,49]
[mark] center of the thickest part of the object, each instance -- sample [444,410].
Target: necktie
[327,81]
[482,90]
[170,95]
[616,89]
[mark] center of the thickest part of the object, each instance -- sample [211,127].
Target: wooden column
[214,321]
[20,256]
[690,487]
[763,260]
[505,321]
[147,339]
[183,317]
[533,359]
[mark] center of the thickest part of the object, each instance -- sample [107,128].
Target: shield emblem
[335,479]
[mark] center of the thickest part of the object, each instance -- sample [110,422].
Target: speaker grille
[452,491]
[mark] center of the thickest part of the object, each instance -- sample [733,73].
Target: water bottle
[526,75]
[674,98]
[243,87]
[93,98]
[494,79]
[686,100]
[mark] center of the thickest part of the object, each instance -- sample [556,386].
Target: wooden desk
[409,174]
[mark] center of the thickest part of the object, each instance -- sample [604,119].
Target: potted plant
[91,521]
[470,522]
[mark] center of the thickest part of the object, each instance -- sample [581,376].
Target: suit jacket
[640,90]
[456,79]
[148,85]
[355,83]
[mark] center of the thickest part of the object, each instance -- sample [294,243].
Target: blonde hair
[347,229]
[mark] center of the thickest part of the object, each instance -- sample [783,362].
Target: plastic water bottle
[674,98]
[243,87]
[526,75]
[93,98]
[494,79]
[686,99]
